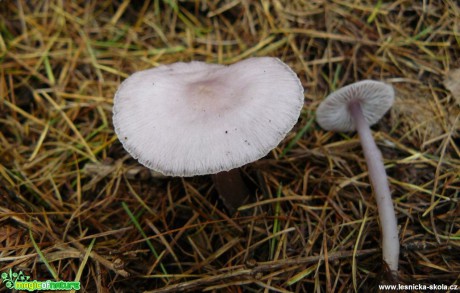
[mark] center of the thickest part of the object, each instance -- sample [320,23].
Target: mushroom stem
[231,188]
[379,180]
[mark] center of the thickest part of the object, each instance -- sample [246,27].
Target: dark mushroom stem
[231,188]
[379,181]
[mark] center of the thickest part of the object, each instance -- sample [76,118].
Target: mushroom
[356,107]
[188,119]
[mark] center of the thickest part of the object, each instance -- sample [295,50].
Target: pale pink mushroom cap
[187,119]
[375,98]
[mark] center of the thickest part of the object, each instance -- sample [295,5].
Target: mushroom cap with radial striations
[375,99]
[187,119]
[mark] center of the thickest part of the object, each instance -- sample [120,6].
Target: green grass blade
[139,228]
[42,257]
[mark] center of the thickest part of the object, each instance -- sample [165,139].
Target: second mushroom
[354,108]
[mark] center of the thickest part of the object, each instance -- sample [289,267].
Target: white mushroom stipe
[355,107]
[187,119]
[378,177]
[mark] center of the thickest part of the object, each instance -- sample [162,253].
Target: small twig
[114,266]
[243,272]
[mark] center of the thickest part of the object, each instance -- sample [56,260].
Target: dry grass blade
[255,270]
